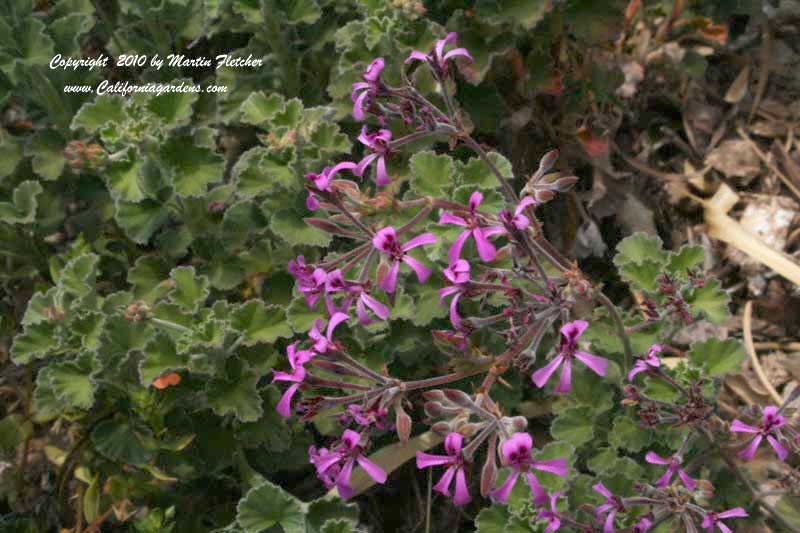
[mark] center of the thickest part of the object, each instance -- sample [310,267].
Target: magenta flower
[312,286]
[323,342]
[674,463]
[455,461]
[486,249]
[552,515]
[643,525]
[373,415]
[517,220]
[612,506]
[378,143]
[345,456]
[438,57]
[298,268]
[516,453]
[768,429]
[713,519]
[335,282]
[457,274]
[365,91]
[570,333]
[322,182]
[386,242]
[646,363]
[323,456]
[297,358]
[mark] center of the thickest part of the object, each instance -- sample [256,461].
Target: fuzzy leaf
[710,300]
[268,505]
[22,207]
[35,342]
[431,174]
[627,434]
[574,425]
[190,290]
[160,357]
[117,440]
[477,173]
[643,275]
[687,258]
[259,108]
[140,220]
[72,382]
[174,108]
[47,150]
[493,519]
[638,248]
[94,115]
[260,323]
[191,168]
[288,224]
[717,357]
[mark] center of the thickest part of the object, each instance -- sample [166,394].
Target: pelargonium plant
[517,307]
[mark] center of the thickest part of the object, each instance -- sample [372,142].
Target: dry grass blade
[766,65]
[767,161]
[747,330]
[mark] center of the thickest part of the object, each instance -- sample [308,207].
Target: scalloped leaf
[117,440]
[160,357]
[638,248]
[628,435]
[189,167]
[687,258]
[190,290]
[72,381]
[643,275]
[268,505]
[431,174]
[716,356]
[103,110]
[711,301]
[260,323]
[22,207]
[574,426]
[289,225]
[477,173]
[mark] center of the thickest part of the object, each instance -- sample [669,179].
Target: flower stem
[615,316]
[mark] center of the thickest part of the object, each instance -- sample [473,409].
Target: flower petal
[426,460]
[284,407]
[375,472]
[416,56]
[443,485]
[502,493]
[486,250]
[462,492]
[419,240]
[423,272]
[458,52]
[597,364]
[363,164]
[779,449]
[454,254]
[343,481]
[449,218]
[565,381]
[748,452]
[654,459]
[382,177]
[542,376]
[380,310]
[452,443]
[737,426]
[389,282]
[557,466]
[539,494]
[736,512]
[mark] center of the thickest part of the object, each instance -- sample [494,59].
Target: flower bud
[564,184]
[489,471]
[433,409]
[442,428]
[543,196]
[459,398]
[402,422]
[434,394]
[546,162]
[519,423]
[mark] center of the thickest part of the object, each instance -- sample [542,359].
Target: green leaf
[526,13]
[643,275]
[22,208]
[160,357]
[302,11]
[35,342]
[340,525]
[123,178]
[94,115]
[627,434]
[478,174]
[710,300]
[11,153]
[687,258]
[492,519]
[37,305]
[322,510]
[174,108]
[140,220]
[431,174]
[190,290]
[258,109]
[147,277]
[716,356]
[574,425]
[190,168]
[260,323]
[638,248]
[78,276]
[300,317]
[236,394]
[119,441]
[47,150]
[288,224]
[268,505]
[46,405]
[72,381]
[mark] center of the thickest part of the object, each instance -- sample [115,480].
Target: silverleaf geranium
[536,293]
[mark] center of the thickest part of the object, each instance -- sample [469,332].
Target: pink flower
[643,525]
[323,342]
[373,415]
[517,220]
[674,463]
[516,453]
[344,456]
[323,456]
[457,274]
[365,91]
[612,506]
[335,282]
[486,249]
[438,58]
[552,515]
[768,428]
[570,333]
[312,286]
[455,461]
[386,242]
[646,363]
[378,143]
[322,182]
[712,519]
[297,358]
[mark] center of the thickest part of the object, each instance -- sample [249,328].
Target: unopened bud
[459,398]
[433,409]
[442,428]
[543,196]
[519,423]
[546,162]
[326,226]
[564,184]
[402,421]
[434,394]
[489,471]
